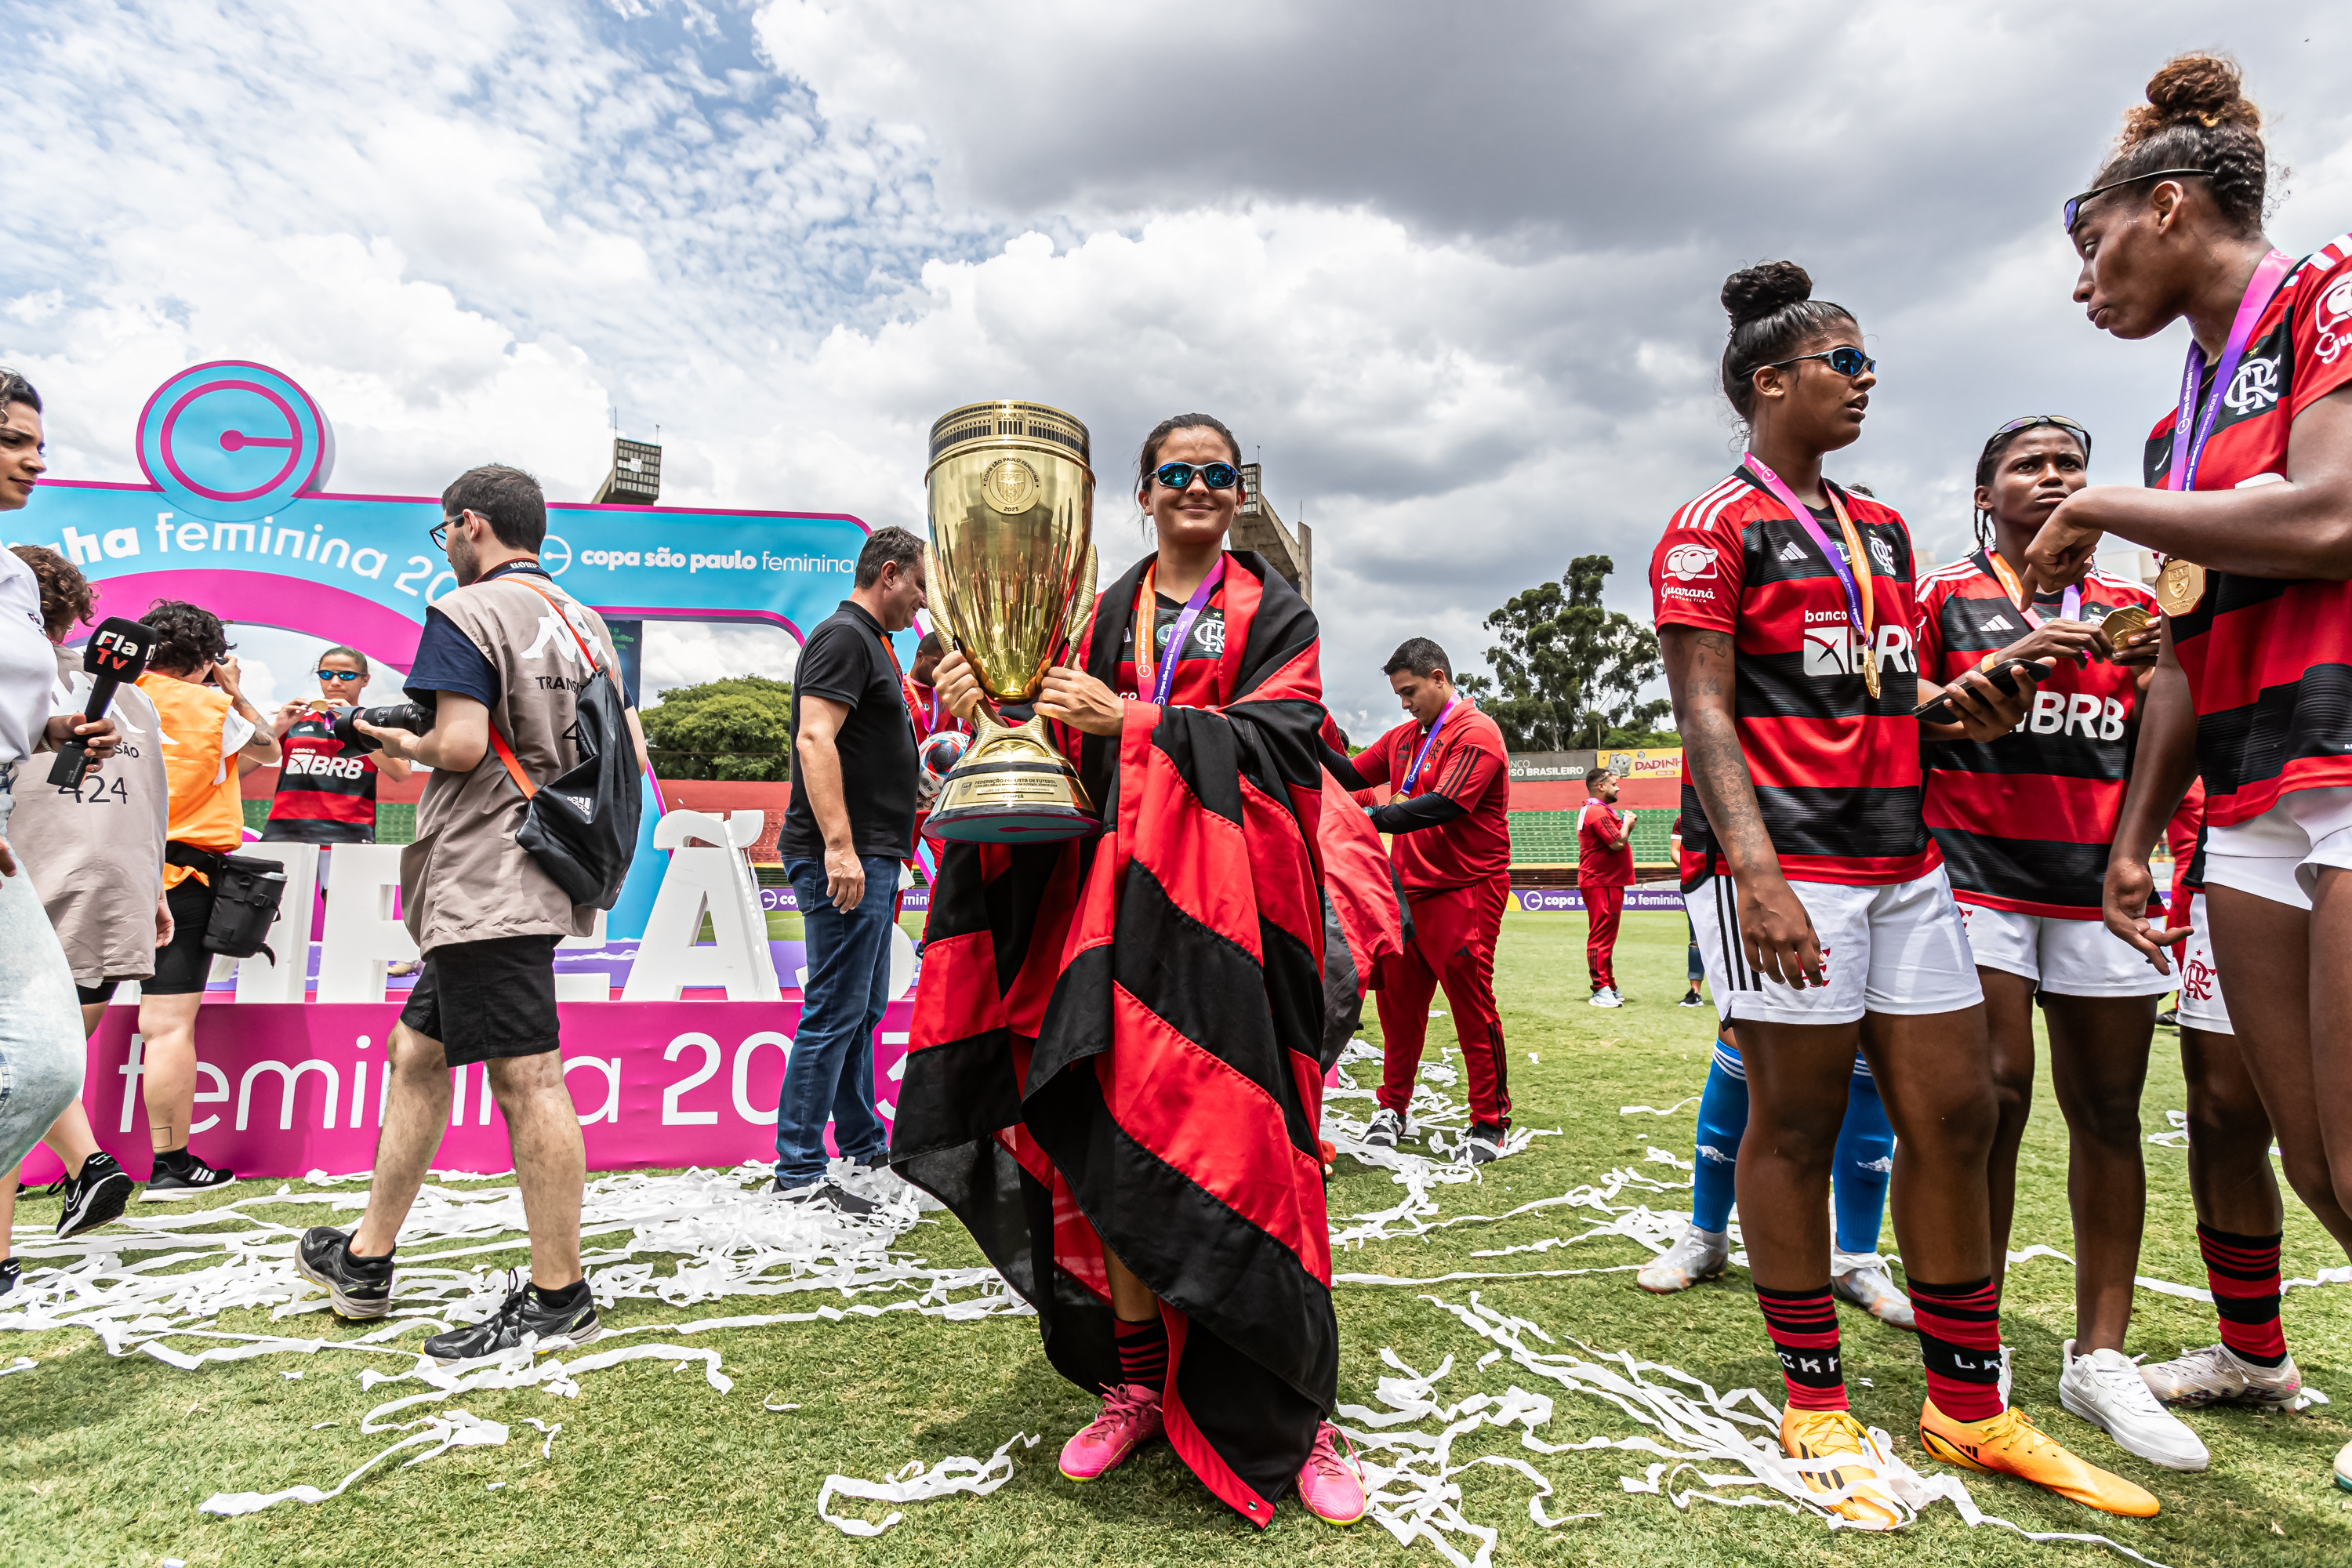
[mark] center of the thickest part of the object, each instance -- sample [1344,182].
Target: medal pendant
[1870,673]
[2179,586]
[2124,622]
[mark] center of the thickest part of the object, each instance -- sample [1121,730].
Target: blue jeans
[41,1048]
[830,1073]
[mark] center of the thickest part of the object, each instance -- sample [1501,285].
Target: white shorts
[2202,1006]
[1895,948]
[2061,957]
[2278,855]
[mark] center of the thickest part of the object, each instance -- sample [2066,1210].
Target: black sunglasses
[1179,475]
[2031,420]
[2073,211]
[1845,361]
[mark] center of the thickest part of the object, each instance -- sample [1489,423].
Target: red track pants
[1453,944]
[1603,908]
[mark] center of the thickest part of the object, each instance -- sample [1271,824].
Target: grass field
[107,1459]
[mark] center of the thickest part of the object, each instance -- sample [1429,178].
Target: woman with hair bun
[2249,499]
[1116,1072]
[1785,608]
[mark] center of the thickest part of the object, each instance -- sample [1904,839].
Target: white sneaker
[1697,1255]
[2215,1375]
[1606,997]
[1387,1127]
[2106,1389]
[1867,1284]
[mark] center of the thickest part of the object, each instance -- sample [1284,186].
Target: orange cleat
[1825,1434]
[2010,1445]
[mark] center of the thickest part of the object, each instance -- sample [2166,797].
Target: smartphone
[1936,711]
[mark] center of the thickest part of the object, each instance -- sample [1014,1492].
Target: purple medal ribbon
[1164,677]
[1804,516]
[1414,773]
[2264,283]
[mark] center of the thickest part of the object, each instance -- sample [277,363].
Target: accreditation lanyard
[1161,675]
[1852,569]
[2196,425]
[2070,607]
[892,655]
[1422,755]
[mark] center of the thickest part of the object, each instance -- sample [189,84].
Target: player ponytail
[1772,311]
[2198,116]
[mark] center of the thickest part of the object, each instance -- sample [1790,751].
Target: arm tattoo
[1705,682]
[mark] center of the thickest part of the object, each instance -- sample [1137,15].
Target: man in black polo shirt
[850,823]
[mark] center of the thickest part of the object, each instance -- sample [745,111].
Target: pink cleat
[1327,1484]
[1130,1419]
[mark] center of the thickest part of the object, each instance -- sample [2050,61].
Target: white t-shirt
[28,665]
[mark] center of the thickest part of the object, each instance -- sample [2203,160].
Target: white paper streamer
[915,1484]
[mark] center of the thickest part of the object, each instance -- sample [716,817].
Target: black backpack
[582,827]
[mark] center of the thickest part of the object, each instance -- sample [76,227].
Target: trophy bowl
[1011,582]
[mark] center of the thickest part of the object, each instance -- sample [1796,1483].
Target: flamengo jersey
[2268,659]
[2024,822]
[1837,774]
[1466,765]
[326,792]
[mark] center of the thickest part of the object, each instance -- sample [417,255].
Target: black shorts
[182,968]
[98,994]
[487,999]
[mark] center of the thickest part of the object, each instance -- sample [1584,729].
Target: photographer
[502,661]
[95,853]
[326,787]
[41,1052]
[210,733]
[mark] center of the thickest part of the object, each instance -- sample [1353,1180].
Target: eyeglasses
[339,675]
[2073,211]
[441,535]
[1179,475]
[1845,361]
[2031,420]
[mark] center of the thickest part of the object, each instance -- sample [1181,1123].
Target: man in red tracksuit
[1450,816]
[1604,868]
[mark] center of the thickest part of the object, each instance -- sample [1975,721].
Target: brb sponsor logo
[319,765]
[2073,713]
[1832,648]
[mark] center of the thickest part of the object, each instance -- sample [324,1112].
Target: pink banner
[286,1089]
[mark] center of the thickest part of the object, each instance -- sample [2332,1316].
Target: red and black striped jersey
[1467,765]
[1197,666]
[2268,659]
[1837,771]
[326,791]
[2024,822]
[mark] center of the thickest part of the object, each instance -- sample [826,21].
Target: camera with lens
[413,717]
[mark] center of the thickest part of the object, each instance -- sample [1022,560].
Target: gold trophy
[1011,582]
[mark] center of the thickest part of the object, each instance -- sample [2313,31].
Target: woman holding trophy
[1115,1078]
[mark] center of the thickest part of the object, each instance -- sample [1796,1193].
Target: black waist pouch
[246,893]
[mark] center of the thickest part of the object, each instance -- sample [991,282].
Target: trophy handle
[937,608]
[1082,602]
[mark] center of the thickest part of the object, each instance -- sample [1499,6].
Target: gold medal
[2125,622]
[1870,671]
[2179,586]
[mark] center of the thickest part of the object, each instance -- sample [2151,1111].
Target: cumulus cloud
[1453,269]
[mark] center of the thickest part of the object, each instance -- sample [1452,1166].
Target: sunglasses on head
[1845,361]
[2031,420]
[1179,475]
[337,674]
[2073,210]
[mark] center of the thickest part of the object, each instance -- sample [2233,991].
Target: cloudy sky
[1452,269]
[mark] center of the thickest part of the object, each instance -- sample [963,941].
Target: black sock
[1142,1352]
[176,1161]
[572,1295]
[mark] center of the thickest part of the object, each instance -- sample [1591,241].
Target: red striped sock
[2244,1271]
[1142,1352]
[1959,1343]
[1804,1329]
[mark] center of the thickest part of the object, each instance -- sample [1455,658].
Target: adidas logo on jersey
[1792,551]
[1999,624]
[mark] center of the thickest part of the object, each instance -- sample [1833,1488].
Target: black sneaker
[1486,1141]
[827,1196]
[522,1315]
[11,1271]
[185,1181]
[95,1196]
[359,1287]
[2169,1018]
[1384,1129]
[1692,1000]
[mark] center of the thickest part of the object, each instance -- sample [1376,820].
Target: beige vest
[96,854]
[465,878]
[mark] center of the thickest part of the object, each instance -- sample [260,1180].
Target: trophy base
[1012,787]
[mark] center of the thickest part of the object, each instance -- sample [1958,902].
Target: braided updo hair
[1772,311]
[2198,116]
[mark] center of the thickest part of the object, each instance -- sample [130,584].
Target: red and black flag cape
[1118,1042]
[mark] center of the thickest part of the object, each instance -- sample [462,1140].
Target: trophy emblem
[1012,583]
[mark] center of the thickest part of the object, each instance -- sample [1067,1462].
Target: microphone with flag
[116,653]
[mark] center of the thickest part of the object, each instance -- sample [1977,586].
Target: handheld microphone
[116,653]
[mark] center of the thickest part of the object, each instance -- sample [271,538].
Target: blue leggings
[1865,1153]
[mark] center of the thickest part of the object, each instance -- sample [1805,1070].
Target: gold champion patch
[1009,485]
